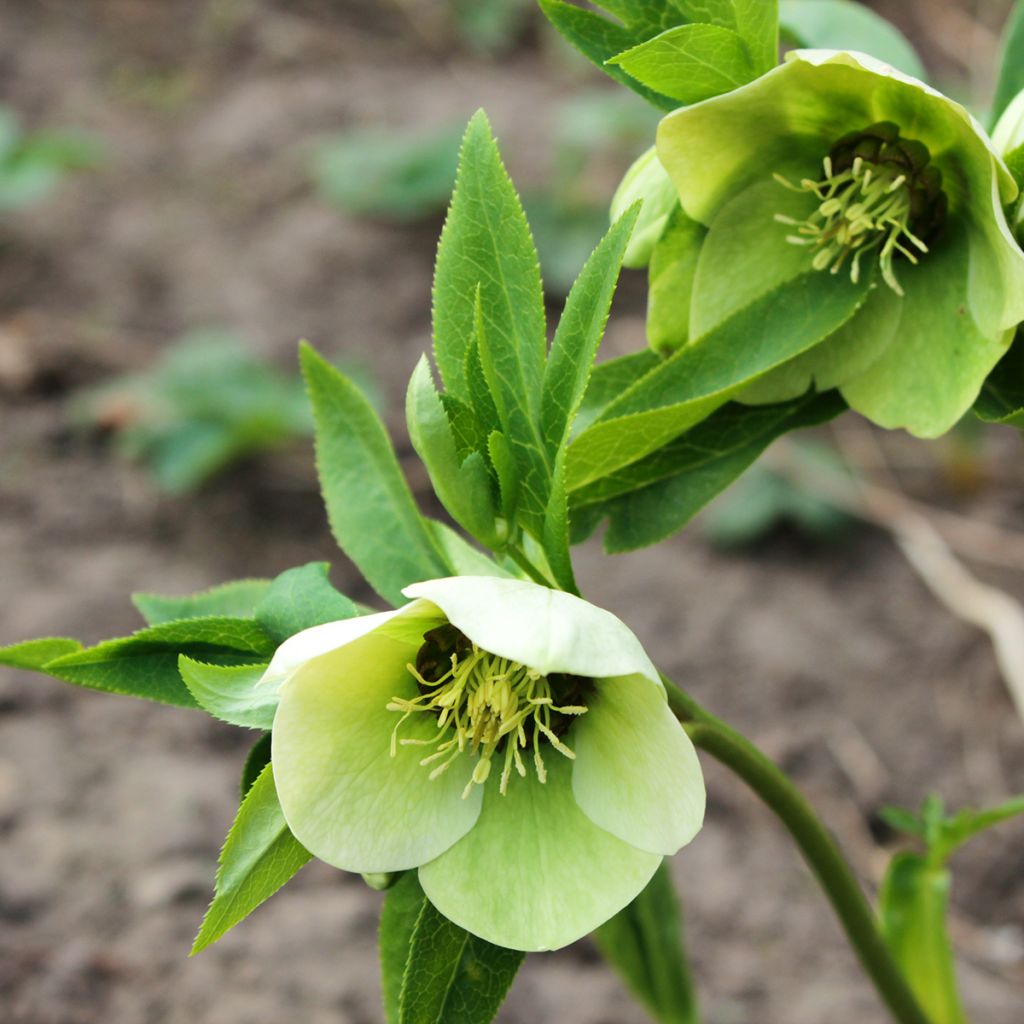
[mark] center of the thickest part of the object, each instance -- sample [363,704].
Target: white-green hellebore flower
[836,162]
[511,742]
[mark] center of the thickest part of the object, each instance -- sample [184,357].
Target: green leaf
[463,485]
[463,559]
[1002,395]
[33,655]
[599,39]
[486,248]
[260,854]
[453,977]
[649,500]
[846,25]
[701,377]
[1011,75]
[146,663]
[300,598]
[579,333]
[757,22]
[369,505]
[643,942]
[913,904]
[402,907]
[231,692]
[608,382]
[256,760]
[690,63]
[236,600]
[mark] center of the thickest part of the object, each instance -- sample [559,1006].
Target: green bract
[837,162]
[512,742]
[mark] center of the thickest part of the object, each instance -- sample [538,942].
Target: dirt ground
[833,657]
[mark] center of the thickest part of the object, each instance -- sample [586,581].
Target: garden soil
[832,656]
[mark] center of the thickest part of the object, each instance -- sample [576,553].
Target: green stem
[818,847]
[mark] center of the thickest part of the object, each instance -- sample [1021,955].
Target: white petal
[547,630]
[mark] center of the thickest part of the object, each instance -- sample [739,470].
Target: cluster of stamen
[485,706]
[879,195]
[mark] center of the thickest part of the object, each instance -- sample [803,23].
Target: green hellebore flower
[511,742]
[837,162]
[646,180]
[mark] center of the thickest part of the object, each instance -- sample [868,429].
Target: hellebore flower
[511,742]
[837,162]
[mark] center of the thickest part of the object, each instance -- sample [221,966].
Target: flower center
[880,194]
[486,707]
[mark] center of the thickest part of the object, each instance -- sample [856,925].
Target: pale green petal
[713,149]
[996,281]
[319,640]
[547,630]
[745,254]
[930,374]
[346,799]
[636,773]
[670,282]
[647,181]
[1008,134]
[535,873]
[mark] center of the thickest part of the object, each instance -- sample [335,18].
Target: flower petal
[636,773]
[932,371]
[535,873]
[647,181]
[547,630]
[346,799]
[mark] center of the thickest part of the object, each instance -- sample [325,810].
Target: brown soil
[834,658]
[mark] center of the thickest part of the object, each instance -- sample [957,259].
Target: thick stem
[818,847]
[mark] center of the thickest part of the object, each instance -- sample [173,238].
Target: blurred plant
[915,898]
[490,26]
[762,500]
[31,164]
[409,178]
[207,403]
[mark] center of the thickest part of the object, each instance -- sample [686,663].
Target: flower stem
[818,847]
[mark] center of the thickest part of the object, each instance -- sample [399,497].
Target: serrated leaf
[1011,74]
[579,333]
[145,664]
[300,598]
[643,942]
[701,377]
[256,760]
[33,655]
[260,854]
[231,692]
[950,833]
[463,485]
[697,467]
[237,599]
[401,910]
[690,63]
[599,39]
[486,247]
[452,977]
[845,25]
[369,505]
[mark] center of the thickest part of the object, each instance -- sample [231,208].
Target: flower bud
[647,181]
